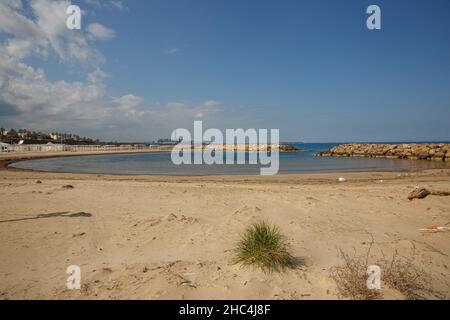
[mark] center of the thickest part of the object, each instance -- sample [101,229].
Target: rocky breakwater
[414,151]
[250,147]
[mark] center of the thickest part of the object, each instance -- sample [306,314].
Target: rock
[418,193]
[413,151]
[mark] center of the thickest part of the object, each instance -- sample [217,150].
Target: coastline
[6,159]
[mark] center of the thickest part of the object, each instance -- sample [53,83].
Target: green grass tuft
[265,247]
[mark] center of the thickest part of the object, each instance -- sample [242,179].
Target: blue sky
[310,68]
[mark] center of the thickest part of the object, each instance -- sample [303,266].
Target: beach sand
[153,237]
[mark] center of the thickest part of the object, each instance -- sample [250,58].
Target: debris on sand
[78,234]
[170,217]
[420,193]
[440,193]
[342,179]
[39,182]
[434,229]
[68,186]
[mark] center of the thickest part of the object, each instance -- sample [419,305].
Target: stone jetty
[414,151]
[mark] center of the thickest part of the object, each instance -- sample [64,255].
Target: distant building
[167,142]
[4,146]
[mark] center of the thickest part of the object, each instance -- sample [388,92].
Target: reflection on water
[161,164]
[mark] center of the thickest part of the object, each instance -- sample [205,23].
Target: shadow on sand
[52,215]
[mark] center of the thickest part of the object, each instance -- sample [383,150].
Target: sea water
[161,164]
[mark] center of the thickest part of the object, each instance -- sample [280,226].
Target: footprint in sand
[182,218]
[248,213]
[148,222]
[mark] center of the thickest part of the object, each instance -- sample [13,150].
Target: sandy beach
[156,237]
[259,153]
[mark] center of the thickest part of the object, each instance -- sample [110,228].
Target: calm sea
[161,164]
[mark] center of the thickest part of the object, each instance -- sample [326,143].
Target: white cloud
[211,103]
[32,100]
[172,51]
[40,104]
[180,114]
[47,32]
[29,100]
[99,31]
[117,4]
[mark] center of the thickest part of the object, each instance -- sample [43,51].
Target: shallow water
[161,164]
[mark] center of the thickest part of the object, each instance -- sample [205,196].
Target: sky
[139,69]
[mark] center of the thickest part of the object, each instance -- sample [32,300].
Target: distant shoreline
[8,158]
[6,161]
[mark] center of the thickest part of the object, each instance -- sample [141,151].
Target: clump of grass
[263,246]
